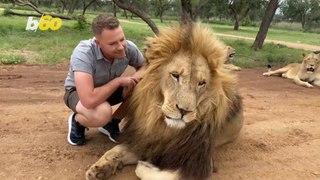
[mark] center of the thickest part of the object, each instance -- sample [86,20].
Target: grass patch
[272,54]
[12,59]
[54,47]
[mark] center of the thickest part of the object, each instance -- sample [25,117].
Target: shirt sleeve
[134,55]
[82,59]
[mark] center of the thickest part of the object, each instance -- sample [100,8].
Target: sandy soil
[280,138]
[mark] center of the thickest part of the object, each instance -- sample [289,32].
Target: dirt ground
[280,138]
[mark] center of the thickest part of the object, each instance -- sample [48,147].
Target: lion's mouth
[174,123]
[231,55]
[310,69]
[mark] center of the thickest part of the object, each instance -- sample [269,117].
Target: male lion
[185,105]
[231,52]
[305,74]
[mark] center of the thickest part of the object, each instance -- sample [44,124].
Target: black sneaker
[111,130]
[76,132]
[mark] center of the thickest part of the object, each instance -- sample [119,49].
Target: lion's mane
[188,149]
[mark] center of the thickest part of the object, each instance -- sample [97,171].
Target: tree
[85,6]
[193,9]
[160,6]
[295,10]
[307,12]
[186,11]
[123,4]
[215,8]
[266,21]
[35,8]
[240,9]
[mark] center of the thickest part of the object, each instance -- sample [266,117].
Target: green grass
[53,47]
[12,59]
[272,54]
[273,34]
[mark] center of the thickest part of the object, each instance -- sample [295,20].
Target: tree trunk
[161,18]
[85,7]
[39,15]
[125,14]
[186,11]
[27,3]
[72,4]
[237,16]
[115,10]
[63,6]
[236,23]
[128,6]
[266,21]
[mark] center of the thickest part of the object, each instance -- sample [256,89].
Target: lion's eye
[175,76]
[202,83]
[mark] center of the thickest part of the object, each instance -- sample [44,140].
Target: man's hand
[128,84]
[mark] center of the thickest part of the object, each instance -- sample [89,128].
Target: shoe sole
[105,132]
[69,132]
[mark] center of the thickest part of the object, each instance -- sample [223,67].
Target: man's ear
[97,41]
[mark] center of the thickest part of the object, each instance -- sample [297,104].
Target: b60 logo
[46,22]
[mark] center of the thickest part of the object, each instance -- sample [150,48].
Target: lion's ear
[150,51]
[303,55]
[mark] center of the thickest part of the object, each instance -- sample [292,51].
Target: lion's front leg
[316,82]
[147,171]
[110,162]
[302,83]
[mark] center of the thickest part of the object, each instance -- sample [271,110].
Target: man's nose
[120,46]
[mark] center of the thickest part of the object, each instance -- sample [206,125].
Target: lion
[305,74]
[231,52]
[185,105]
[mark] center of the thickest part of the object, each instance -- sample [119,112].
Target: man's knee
[103,114]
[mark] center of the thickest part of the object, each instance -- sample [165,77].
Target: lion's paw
[266,74]
[144,168]
[309,85]
[103,170]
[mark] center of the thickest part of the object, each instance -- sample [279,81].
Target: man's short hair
[104,21]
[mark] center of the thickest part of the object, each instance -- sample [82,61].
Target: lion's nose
[183,111]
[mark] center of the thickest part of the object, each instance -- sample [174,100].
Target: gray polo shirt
[87,57]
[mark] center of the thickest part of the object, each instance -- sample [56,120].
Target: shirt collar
[97,50]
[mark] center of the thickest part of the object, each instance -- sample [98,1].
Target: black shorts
[71,98]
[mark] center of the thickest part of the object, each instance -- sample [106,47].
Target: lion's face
[311,62]
[183,83]
[231,52]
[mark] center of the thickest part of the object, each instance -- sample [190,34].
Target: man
[94,82]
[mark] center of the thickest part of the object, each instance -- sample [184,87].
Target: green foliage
[7,11]
[81,23]
[52,47]
[12,59]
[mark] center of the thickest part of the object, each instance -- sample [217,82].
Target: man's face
[112,43]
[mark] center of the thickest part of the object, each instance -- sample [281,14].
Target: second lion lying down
[186,105]
[304,74]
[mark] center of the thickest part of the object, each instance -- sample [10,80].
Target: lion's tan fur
[299,72]
[193,52]
[228,64]
[213,110]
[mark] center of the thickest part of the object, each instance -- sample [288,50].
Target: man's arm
[91,97]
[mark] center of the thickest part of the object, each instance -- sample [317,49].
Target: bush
[7,12]
[82,23]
